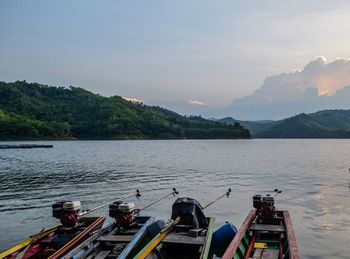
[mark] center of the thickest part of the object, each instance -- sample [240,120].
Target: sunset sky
[196,57]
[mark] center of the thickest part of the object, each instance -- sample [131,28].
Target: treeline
[35,111]
[321,124]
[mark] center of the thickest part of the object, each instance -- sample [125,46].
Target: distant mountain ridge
[322,124]
[35,111]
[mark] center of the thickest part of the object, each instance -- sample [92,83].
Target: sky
[196,57]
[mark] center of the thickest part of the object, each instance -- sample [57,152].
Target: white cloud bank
[318,86]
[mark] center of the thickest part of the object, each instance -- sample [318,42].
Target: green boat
[266,233]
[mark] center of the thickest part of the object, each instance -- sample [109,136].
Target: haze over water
[313,174]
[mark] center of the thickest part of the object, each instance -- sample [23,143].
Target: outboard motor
[113,209]
[264,205]
[268,208]
[57,209]
[257,201]
[123,212]
[190,212]
[67,212]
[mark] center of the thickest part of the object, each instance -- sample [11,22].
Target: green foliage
[254,127]
[323,124]
[34,111]
[2,114]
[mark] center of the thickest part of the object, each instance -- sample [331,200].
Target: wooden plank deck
[183,239]
[257,254]
[270,254]
[118,238]
[265,227]
[103,254]
[265,254]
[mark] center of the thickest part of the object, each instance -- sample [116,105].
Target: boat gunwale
[97,220]
[208,238]
[137,237]
[293,248]
[233,246]
[63,250]
[19,246]
[80,248]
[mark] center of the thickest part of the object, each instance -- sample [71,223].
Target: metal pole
[137,194]
[174,192]
[227,194]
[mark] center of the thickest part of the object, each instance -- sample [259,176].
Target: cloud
[317,86]
[133,99]
[195,102]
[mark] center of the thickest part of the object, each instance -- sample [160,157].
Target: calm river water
[313,174]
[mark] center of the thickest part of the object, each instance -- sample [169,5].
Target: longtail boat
[125,237]
[115,241]
[187,235]
[57,241]
[265,233]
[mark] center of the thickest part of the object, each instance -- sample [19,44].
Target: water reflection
[310,173]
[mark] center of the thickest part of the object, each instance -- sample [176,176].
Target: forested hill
[322,124]
[35,111]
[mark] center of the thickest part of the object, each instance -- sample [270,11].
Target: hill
[254,127]
[35,111]
[322,124]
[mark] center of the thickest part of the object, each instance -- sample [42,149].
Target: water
[313,174]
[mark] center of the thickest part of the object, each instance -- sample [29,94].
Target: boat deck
[118,238]
[183,238]
[265,254]
[270,228]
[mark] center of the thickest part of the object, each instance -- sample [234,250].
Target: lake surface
[313,174]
